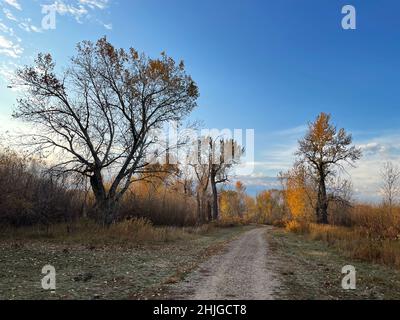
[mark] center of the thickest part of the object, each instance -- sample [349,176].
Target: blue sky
[266,65]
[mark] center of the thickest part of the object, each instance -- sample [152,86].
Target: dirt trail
[243,271]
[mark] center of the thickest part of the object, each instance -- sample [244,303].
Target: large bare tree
[325,149]
[98,114]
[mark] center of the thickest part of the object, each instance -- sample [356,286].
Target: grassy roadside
[310,269]
[106,271]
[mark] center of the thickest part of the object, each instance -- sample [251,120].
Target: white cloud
[14,3]
[80,9]
[376,151]
[9,15]
[66,9]
[5,29]
[108,26]
[95,4]
[10,49]
[28,26]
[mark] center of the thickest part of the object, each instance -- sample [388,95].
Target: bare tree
[391,184]
[200,164]
[340,194]
[324,149]
[215,157]
[99,114]
[223,155]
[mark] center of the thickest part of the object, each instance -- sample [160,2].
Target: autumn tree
[299,188]
[325,149]
[98,115]
[269,207]
[234,203]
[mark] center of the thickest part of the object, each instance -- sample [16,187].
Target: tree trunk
[107,210]
[322,202]
[199,211]
[106,206]
[215,209]
[209,211]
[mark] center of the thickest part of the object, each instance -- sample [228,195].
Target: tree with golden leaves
[325,149]
[299,193]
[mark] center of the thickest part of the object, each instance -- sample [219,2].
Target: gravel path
[242,271]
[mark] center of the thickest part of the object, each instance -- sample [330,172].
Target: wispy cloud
[108,26]
[9,15]
[27,26]
[95,4]
[78,12]
[13,20]
[5,29]
[14,3]
[80,9]
[9,48]
[296,131]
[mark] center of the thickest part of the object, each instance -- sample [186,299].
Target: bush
[232,221]
[355,242]
[128,232]
[161,206]
[297,227]
[30,196]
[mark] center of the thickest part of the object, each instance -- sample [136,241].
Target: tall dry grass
[161,206]
[374,234]
[128,232]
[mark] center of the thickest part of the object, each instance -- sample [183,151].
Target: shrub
[30,196]
[297,227]
[128,232]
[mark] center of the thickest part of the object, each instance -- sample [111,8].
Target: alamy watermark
[349,281]
[49,280]
[50,15]
[349,21]
[49,20]
[189,146]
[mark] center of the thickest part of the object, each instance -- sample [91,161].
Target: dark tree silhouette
[99,113]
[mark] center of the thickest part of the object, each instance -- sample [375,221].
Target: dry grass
[373,234]
[298,227]
[312,270]
[233,221]
[112,270]
[377,221]
[354,242]
[129,232]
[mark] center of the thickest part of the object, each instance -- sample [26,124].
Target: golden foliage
[299,195]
